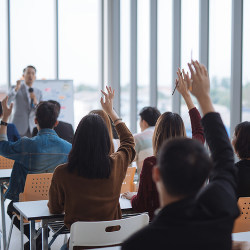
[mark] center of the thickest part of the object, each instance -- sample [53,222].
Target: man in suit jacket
[194,215]
[25,99]
[64,130]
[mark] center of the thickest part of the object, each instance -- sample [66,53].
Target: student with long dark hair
[169,125]
[88,187]
[241,144]
[107,121]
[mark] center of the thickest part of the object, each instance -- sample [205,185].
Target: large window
[79,52]
[189,46]
[125,61]
[246,63]
[220,56]
[143,54]
[33,37]
[3,46]
[164,55]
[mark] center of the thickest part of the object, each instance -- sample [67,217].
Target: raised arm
[127,143]
[13,92]
[183,88]
[215,133]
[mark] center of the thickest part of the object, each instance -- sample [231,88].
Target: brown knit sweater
[85,199]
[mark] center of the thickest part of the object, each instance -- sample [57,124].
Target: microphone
[31,90]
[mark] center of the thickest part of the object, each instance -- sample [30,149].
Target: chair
[36,188]
[128,182]
[242,223]
[96,234]
[6,163]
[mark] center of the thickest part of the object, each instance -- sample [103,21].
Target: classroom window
[220,56]
[189,47]
[3,47]
[79,52]
[125,61]
[246,62]
[32,37]
[143,49]
[164,56]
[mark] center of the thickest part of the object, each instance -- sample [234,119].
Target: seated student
[87,188]
[168,126]
[40,154]
[63,129]
[143,140]
[241,144]
[193,215]
[106,119]
[12,132]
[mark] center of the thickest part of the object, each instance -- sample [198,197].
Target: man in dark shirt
[194,215]
[64,130]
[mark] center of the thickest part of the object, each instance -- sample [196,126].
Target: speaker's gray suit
[24,114]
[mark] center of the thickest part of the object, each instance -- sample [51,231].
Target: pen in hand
[176,83]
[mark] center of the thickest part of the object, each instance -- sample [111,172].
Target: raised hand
[200,80]
[200,86]
[18,85]
[107,105]
[6,110]
[182,85]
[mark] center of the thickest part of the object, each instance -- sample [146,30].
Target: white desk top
[36,210]
[244,236]
[5,174]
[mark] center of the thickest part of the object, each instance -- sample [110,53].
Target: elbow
[54,209]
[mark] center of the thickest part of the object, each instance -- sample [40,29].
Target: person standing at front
[25,99]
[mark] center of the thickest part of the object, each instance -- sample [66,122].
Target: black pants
[16,222]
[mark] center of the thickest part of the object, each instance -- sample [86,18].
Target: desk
[4,177]
[38,210]
[244,236]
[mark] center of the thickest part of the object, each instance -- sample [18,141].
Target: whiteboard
[61,91]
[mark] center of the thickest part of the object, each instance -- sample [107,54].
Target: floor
[16,237]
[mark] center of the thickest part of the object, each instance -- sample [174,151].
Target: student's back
[192,215]
[40,154]
[88,187]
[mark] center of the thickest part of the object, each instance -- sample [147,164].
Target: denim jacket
[40,154]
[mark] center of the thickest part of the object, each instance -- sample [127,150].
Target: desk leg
[21,229]
[45,234]
[32,235]
[3,218]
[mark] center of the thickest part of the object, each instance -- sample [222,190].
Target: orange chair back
[36,187]
[128,182]
[242,223]
[6,163]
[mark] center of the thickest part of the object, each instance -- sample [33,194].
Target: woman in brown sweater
[88,187]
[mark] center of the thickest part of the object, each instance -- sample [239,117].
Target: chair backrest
[95,234]
[36,187]
[128,182]
[242,223]
[6,163]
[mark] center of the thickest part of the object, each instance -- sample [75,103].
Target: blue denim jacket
[40,154]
